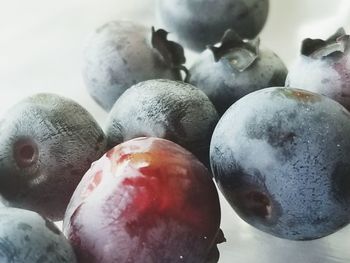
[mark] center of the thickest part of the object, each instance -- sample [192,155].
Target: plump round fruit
[324,67]
[47,143]
[120,54]
[146,200]
[281,157]
[166,109]
[234,69]
[202,22]
[27,237]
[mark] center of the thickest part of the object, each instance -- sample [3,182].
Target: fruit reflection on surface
[146,200]
[281,158]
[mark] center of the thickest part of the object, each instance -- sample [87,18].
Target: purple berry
[146,200]
[324,67]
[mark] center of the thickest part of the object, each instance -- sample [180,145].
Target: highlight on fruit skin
[27,237]
[281,158]
[146,200]
[47,143]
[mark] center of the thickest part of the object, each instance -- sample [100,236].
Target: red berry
[146,200]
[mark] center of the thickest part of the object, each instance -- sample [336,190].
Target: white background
[40,51]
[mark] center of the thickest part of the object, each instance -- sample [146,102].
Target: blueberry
[166,109]
[202,22]
[281,158]
[27,237]
[47,143]
[146,200]
[323,67]
[234,69]
[120,54]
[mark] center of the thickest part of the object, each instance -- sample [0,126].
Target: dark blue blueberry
[165,109]
[281,157]
[47,143]
[234,69]
[202,22]
[26,238]
[120,54]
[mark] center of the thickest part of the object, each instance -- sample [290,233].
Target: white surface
[40,50]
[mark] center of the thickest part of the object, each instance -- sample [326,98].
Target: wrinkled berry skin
[165,109]
[147,200]
[224,84]
[324,68]
[118,55]
[47,143]
[281,158]
[27,237]
[202,22]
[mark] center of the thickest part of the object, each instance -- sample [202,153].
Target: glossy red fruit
[146,200]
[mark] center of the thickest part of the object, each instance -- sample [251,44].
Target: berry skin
[120,54]
[47,144]
[27,237]
[146,200]
[203,22]
[234,69]
[167,109]
[281,158]
[324,67]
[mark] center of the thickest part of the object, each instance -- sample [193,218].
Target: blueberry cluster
[142,190]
